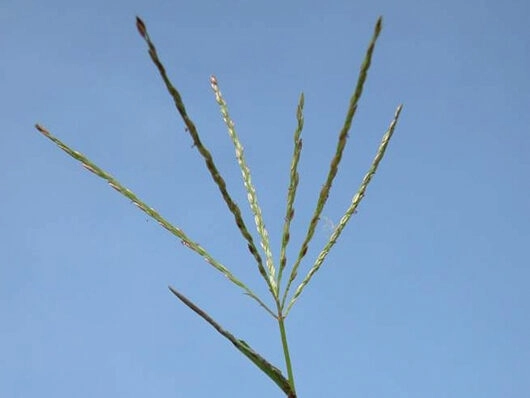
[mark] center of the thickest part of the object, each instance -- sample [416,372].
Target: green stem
[285,346]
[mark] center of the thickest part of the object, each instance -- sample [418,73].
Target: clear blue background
[425,295]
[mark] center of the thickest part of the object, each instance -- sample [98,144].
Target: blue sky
[425,295]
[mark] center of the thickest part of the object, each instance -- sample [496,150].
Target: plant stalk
[285,347]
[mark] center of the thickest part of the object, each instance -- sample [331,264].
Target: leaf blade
[266,367]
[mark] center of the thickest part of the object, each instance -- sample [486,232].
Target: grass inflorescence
[269,272]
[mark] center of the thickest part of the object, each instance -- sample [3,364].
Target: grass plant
[273,276]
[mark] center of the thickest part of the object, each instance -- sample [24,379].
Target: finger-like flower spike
[141,27]
[213,80]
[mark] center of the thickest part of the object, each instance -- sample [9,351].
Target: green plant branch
[293,185]
[251,190]
[351,209]
[341,144]
[270,370]
[90,166]
[192,130]
[285,347]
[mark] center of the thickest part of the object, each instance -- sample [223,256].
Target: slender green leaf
[266,367]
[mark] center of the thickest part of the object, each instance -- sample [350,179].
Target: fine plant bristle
[271,275]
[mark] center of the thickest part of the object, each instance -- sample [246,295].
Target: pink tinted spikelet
[141,27]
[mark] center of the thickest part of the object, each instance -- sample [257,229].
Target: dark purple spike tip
[141,27]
